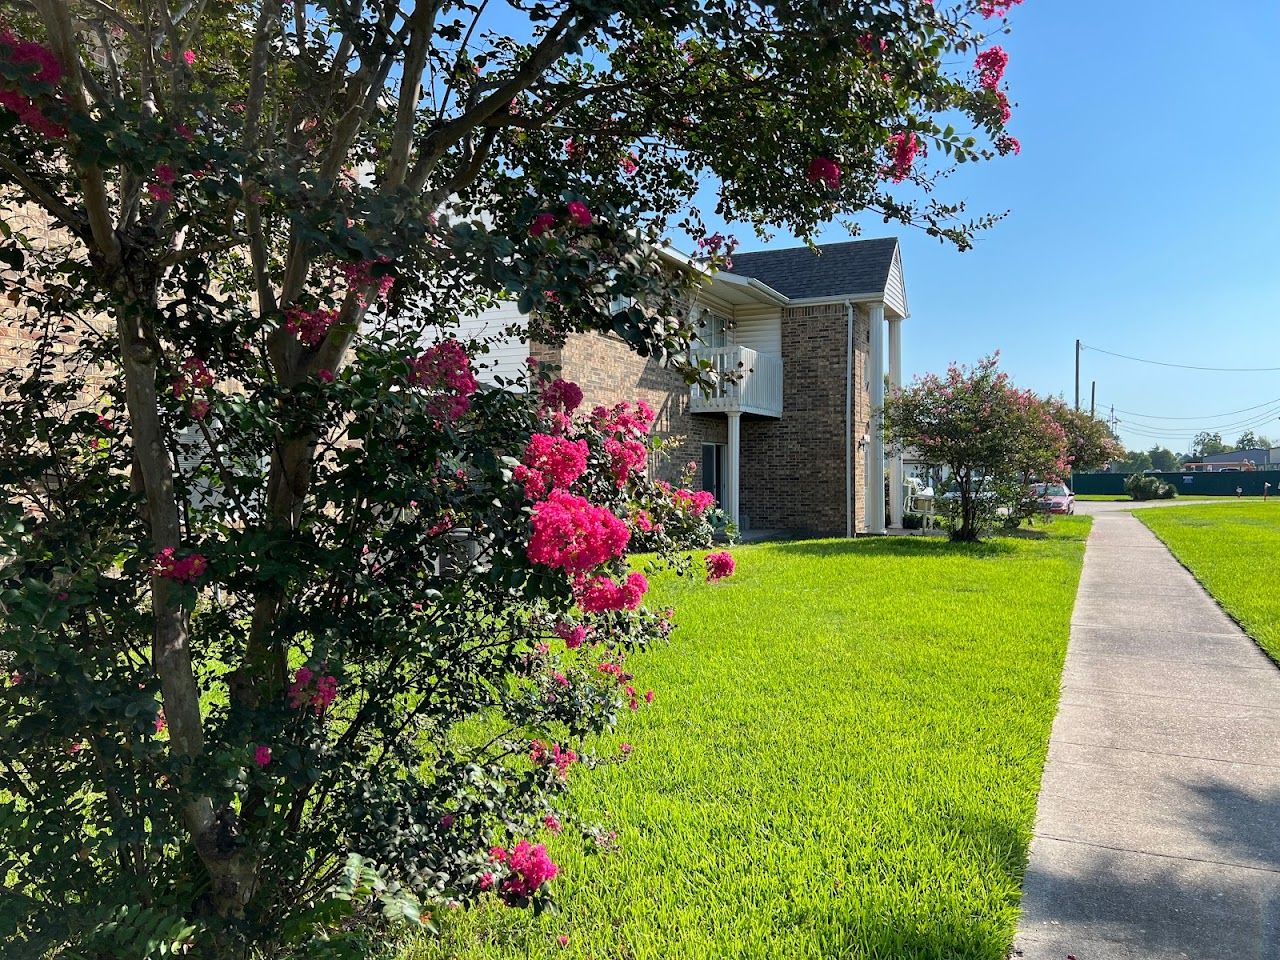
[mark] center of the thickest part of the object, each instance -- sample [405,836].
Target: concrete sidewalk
[1158,828]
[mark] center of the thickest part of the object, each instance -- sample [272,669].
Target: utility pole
[1093,398]
[1077,375]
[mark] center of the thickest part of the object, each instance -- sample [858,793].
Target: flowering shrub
[995,439]
[269,551]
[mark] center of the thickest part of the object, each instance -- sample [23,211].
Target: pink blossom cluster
[170,566]
[47,70]
[693,502]
[719,565]
[561,395]
[572,634]
[193,372]
[825,171]
[530,867]
[990,65]
[1006,144]
[262,756]
[309,326]
[446,369]
[629,163]
[904,147]
[572,534]
[602,594]
[551,463]
[621,419]
[577,213]
[161,187]
[718,245]
[553,755]
[625,457]
[318,694]
[360,277]
[994,8]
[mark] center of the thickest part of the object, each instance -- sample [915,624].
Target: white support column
[731,470]
[895,452]
[875,442]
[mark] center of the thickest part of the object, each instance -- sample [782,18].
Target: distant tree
[1090,441]
[1209,444]
[1164,459]
[1133,461]
[1251,441]
[995,438]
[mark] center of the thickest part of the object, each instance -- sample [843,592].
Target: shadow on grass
[891,547]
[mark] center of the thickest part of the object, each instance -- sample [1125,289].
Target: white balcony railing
[745,382]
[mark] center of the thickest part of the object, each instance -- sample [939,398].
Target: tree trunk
[213,833]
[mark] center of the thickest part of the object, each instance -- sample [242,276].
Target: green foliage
[1146,487]
[862,763]
[996,440]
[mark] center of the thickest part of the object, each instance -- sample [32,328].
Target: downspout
[848,425]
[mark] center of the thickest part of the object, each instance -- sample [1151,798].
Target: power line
[1207,416]
[1181,366]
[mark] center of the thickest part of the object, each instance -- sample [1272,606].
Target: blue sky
[1144,216]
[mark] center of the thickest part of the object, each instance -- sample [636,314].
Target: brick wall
[608,370]
[19,340]
[793,469]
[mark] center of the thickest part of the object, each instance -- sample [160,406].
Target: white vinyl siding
[762,334]
[502,328]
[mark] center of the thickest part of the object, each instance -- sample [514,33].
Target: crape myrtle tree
[1091,443]
[305,630]
[995,439]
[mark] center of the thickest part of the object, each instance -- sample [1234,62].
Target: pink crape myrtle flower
[542,755]
[996,8]
[309,326]
[694,502]
[824,170]
[542,223]
[561,394]
[625,458]
[530,867]
[262,756]
[45,68]
[572,634]
[571,534]
[318,695]
[579,213]
[719,565]
[556,460]
[552,823]
[445,369]
[170,566]
[990,65]
[904,147]
[602,594]
[360,278]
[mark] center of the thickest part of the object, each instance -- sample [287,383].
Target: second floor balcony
[745,381]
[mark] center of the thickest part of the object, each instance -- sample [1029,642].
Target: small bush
[913,521]
[1143,486]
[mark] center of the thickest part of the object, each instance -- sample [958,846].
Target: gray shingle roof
[848,269]
[1256,454]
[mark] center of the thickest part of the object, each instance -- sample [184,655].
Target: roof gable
[855,268]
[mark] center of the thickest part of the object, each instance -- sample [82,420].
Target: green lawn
[1234,550]
[842,761]
[1101,497]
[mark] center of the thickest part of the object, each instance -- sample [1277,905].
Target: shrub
[913,521]
[1143,486]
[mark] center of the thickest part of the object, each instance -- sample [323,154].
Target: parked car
[1054,498]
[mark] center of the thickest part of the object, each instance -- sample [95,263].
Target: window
[713,329]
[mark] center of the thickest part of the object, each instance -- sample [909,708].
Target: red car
[1054,498]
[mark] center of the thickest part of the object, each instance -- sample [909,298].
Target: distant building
[1252,458]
